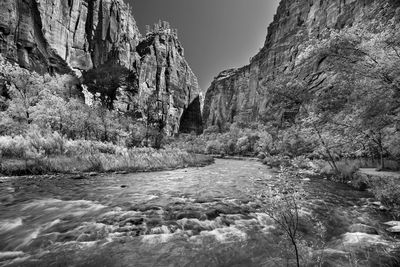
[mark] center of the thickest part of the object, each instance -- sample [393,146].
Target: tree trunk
[332,160]
[296,252]
[381,157]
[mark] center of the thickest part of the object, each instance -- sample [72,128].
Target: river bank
[127,161]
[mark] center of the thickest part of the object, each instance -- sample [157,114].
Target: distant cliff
[238,94]
[72,36]
[165,72]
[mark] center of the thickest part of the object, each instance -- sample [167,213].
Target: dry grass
[50,153]
[134,160]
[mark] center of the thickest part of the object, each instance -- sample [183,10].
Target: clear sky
[216,34]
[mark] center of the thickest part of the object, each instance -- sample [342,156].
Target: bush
[346,169]
[301,162]
[277,161]
[211,130]
[13,147]
[387,190]
[214,147]
[243,145]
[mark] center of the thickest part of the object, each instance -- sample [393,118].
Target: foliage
[29,99]
[107,79]
[282,204]
[42,152]
[345,169]
[387,190]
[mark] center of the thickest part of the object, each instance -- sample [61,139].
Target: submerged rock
[362,240]
[395,227]
[362,228]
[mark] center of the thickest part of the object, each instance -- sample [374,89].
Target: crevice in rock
[191,120]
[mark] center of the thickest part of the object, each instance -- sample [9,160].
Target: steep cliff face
[165,74]
[55,35]
[60,36]
[239,94]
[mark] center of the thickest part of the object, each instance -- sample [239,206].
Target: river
[206,216]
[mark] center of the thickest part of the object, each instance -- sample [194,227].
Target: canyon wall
[73,36]
[165,73]
[239,94]
[57,36]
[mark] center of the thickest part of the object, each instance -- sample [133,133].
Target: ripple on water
[50,203]
[158,238]
[12,257]
[10,224]
[226,235]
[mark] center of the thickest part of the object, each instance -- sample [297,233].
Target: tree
[360,92]
[155,120]
[282,206]
[22,93]
[107,79]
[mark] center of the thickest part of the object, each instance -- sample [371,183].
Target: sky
[216,34]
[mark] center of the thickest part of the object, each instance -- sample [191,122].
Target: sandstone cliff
[72,36]
[239,94]
[165,73]
[55,35]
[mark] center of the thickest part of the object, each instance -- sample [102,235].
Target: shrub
[345,169]
[301,162]
[214,147]
[243,145]
[387,190]
[277,161]
[211,130]
[13,147]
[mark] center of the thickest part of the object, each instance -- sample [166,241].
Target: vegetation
[44,128]
[41,152]
[283,208]
[340,102]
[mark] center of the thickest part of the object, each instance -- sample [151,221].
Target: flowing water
[190,217]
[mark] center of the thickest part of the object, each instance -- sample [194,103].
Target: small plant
[387,190]
[282,205]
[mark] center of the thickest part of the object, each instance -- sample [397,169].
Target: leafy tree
[107,79]
[22,93]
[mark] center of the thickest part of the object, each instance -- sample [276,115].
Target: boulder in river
[395,227]
[362,228]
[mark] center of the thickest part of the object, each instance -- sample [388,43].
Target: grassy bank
[37,154]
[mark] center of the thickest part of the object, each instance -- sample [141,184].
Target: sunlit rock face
[239,93]
[165,73]
[72,36]
[58,35]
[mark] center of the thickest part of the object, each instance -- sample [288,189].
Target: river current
[206,216]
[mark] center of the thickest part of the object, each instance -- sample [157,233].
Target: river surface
[206,216]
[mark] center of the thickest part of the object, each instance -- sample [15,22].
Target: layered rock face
[239,94]
[66,36]
[165,73]
[56,35]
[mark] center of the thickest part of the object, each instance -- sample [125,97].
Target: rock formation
[238,94]
[55,35]
[72,36]
[165,72]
